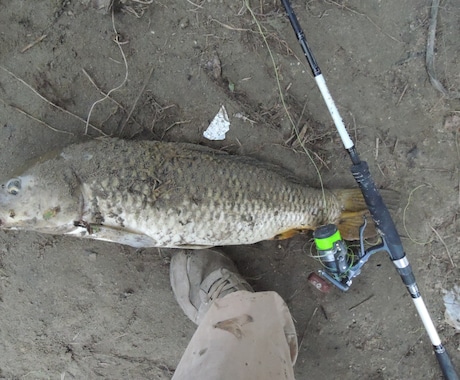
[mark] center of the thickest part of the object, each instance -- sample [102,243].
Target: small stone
[92,256]
[452,123]
[184,23]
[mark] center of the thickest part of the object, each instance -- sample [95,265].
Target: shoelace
[226,283]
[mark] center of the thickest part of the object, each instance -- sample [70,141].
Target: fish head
[40,200]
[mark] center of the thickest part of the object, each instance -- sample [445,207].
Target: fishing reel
[340,263]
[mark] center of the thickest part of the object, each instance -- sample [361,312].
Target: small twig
[458,186]
[173,125]
[239,115]
[445,246]
[198,6]
[360,303]
[404,217]
[137,99]
[232,27]
[39,121]
[380,169]
[430,54]
[50,102]
[395,145]
[32,44]
[402,94]
[159,109]
[376,147]
[102,91]
[306,328]
[323,310]
[116,40]
[458,157]
[132,11]
[35,119]
[110,98]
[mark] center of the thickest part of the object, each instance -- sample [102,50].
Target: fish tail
[354,210]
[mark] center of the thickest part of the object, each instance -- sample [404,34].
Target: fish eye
[13,186]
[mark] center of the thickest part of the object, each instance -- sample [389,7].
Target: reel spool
[340,263]
[332,250]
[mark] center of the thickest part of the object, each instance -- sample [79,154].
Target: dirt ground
[74,309]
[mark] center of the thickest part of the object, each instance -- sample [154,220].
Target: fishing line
[391,241]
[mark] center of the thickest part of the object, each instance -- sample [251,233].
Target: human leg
[240,334]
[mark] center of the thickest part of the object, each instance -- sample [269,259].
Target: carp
[172,195]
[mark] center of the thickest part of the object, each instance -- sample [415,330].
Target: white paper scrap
[452,303]
[219,126]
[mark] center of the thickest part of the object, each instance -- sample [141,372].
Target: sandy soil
[74,309]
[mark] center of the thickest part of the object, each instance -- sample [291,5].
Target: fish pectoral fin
[350,222]
[116,235]
[194,246]
[290,233]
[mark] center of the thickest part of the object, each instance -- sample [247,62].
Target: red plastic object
[319,283]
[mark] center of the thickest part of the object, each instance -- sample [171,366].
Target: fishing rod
[391,241]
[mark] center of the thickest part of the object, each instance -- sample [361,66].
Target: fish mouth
[59,219]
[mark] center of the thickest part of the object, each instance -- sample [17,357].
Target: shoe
[199,277]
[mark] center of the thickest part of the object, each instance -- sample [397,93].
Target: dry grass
[59,108]
[294,126]
[107,96]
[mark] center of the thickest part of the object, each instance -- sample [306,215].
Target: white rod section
[334,112]
[427,321]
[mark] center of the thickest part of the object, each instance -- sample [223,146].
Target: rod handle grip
[378,210]
[445,363]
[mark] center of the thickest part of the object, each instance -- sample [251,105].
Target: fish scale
[146,193]
[218,205]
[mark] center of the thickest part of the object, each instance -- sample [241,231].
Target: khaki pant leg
[243,335]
